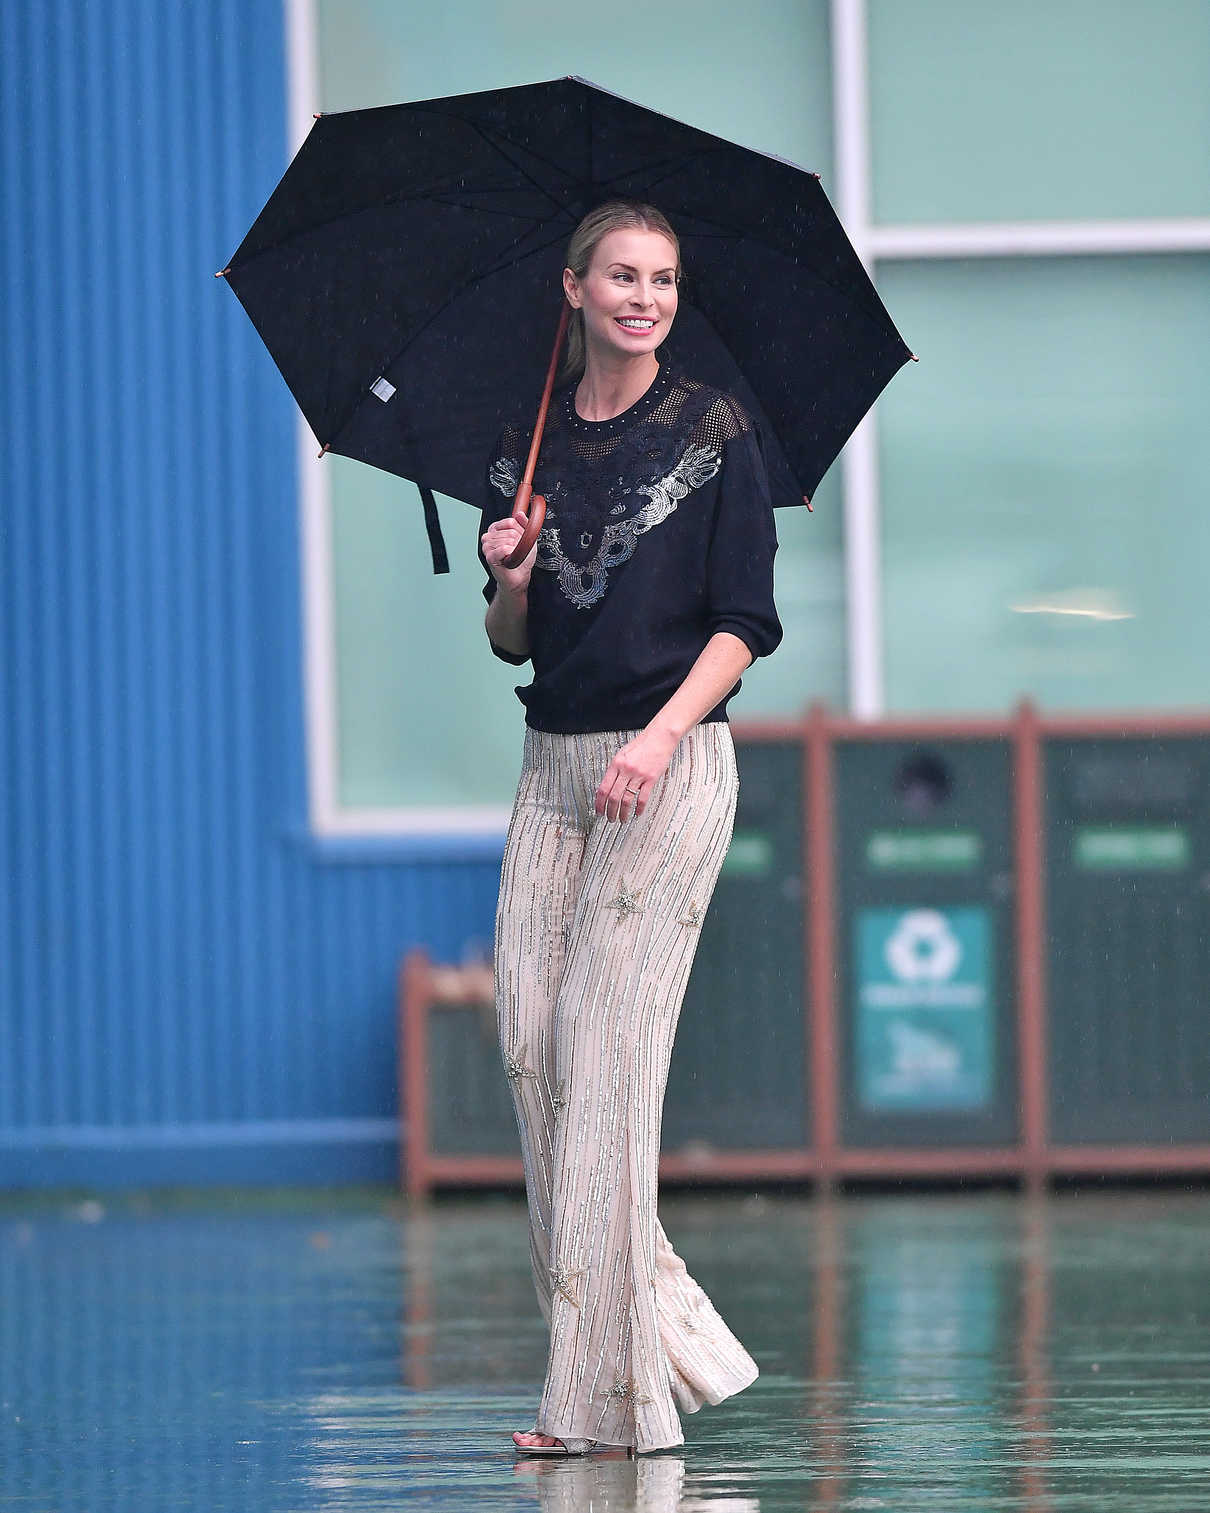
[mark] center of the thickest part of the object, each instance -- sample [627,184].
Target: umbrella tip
[223,272]
[807,501]
[913,356]
[327,447]
[317,115]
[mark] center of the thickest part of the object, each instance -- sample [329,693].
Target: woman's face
[628,295]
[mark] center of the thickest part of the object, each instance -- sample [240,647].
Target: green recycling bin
[1127,848]
[925,962]
[470,1105]
[738,1075]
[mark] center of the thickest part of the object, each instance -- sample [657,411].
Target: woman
[648,593]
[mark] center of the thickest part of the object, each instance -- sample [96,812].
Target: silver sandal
[560,1447]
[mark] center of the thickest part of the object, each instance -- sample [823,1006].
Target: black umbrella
[405,273]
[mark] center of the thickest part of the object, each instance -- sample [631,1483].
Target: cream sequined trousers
[595,934]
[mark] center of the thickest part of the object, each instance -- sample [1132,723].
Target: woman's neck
[606,389]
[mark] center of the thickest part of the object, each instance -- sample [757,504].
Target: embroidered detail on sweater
[584,584]
[505,475]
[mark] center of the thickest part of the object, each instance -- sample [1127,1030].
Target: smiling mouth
[634,325]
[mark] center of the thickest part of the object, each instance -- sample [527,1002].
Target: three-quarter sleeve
[743,543]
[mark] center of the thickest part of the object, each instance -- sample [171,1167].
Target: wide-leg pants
[595,934]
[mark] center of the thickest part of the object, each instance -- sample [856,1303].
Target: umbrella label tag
[382,388]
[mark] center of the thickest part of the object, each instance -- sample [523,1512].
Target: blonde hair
[614,215]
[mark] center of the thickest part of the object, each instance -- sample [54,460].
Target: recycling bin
[470,1105]
[738,1076]
[923,837]
[1127,888]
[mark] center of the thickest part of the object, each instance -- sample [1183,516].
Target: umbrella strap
[432,524]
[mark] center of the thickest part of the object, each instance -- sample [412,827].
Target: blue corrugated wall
[190,989]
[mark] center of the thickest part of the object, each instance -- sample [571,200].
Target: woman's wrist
[667,726]
[507,619]
[511,602]
[711,678]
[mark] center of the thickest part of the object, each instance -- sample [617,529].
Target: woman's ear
[571,287]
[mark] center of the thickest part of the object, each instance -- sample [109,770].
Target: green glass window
[1044,476]
[1036,110]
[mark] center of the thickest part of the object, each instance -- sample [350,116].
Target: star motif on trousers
[626,902]
[560,1281]
[515,1067]
[626,1392]
[693,916]
[559,1101]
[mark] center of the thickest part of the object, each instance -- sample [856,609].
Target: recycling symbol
[923,948]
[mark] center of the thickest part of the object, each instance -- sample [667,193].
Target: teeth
[637,325]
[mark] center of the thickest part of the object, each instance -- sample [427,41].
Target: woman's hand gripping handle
[529,510]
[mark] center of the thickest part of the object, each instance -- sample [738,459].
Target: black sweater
[659,532]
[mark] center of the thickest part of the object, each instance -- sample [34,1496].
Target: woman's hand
[499,542]
[632,775]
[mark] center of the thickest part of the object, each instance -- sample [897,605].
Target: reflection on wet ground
[320,1351]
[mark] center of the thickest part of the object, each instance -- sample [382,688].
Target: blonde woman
[647,594]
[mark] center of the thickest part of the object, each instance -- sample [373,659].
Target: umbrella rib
[457,294]
[470,283]
[669,164]
[495,137]
[493,140]
[559,207]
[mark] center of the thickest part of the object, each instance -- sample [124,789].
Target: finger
[497,549]
[605,789]
[494,538]
[632,800]
[618,798]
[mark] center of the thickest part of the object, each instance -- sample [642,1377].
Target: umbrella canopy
[405,276]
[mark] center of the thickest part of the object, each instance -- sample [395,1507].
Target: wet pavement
[344,1350]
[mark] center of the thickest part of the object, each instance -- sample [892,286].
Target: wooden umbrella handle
[533,505]
[526,501]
